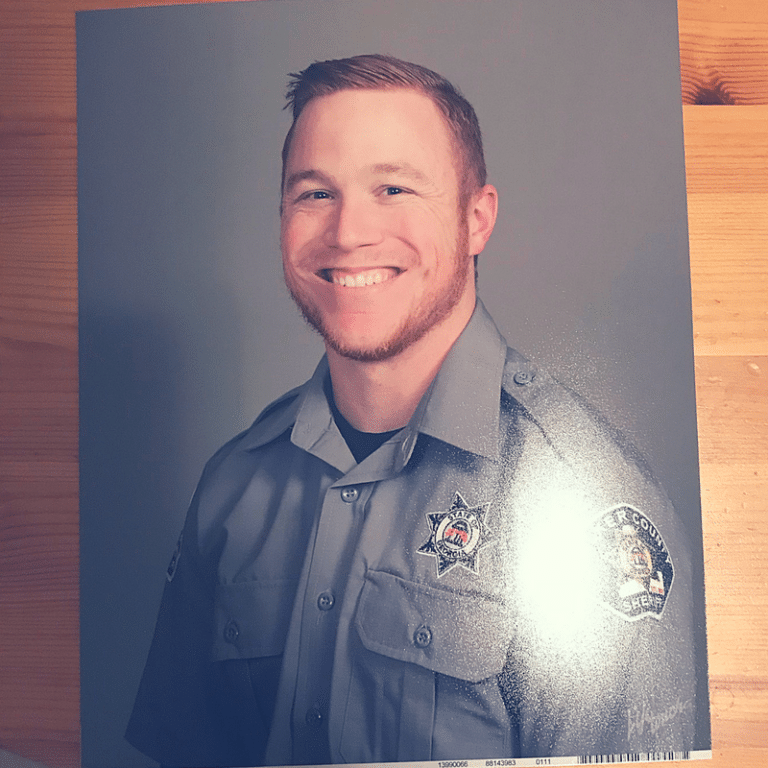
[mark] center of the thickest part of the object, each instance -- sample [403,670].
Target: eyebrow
[309,175]
[405,170]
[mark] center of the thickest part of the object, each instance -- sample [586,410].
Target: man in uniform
[430,550]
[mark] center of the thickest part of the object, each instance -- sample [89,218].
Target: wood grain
[724,58]
[728,236]
[724,51]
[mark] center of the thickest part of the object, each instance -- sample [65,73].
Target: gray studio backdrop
[187,332]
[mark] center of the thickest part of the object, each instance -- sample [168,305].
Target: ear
[481,217]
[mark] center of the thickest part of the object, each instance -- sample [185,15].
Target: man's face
[375,249]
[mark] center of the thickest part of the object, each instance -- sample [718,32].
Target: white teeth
[360,279]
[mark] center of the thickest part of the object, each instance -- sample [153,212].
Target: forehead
[375,127]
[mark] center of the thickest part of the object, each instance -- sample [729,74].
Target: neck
[382,396]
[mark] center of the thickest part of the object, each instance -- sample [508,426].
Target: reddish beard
[412,329]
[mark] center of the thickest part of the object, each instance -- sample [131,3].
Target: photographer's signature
[646,720]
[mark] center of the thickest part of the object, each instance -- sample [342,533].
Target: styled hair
[379,72]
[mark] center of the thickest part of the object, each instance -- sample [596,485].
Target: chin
[368,350]
[365,351]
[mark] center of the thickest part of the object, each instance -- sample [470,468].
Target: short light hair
[379,72]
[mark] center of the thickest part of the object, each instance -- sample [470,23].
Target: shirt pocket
[251,618]
[437,653]
[457,634]
[250,627]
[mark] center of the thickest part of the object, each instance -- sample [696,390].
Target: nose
[355,223]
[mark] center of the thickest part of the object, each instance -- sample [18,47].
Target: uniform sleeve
[171,710]
[189,710]
[602,658]
[606,685]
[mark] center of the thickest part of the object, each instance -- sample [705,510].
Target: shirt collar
[306,413]
[461,407]
[315,431]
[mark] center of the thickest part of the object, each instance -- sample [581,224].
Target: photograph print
[398,294]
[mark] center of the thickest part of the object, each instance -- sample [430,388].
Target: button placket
[339,520]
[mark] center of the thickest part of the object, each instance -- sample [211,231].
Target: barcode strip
[537,762]
[633,757]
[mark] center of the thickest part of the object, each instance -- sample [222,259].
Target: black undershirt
[361,444]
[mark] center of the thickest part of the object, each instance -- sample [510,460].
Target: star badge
[457,535]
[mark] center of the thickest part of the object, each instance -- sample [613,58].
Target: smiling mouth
[359,279]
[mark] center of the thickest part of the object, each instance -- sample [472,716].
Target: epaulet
[570,423]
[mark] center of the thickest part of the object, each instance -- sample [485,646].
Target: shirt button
[325,601]
[422,637]
[231,632]
[523,377]
[349,495]
[314,717]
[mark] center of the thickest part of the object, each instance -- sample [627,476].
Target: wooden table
[724,56]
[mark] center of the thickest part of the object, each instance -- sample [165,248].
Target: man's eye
[315,194]
[394,191]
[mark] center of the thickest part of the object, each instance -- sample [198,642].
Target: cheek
[436,241]
[428,230]
[297,235]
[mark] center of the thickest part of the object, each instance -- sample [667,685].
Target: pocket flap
[252,618]
[457,634]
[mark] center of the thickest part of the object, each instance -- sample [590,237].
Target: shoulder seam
[283,400]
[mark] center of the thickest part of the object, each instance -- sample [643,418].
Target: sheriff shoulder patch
[639,565]
[457,535]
